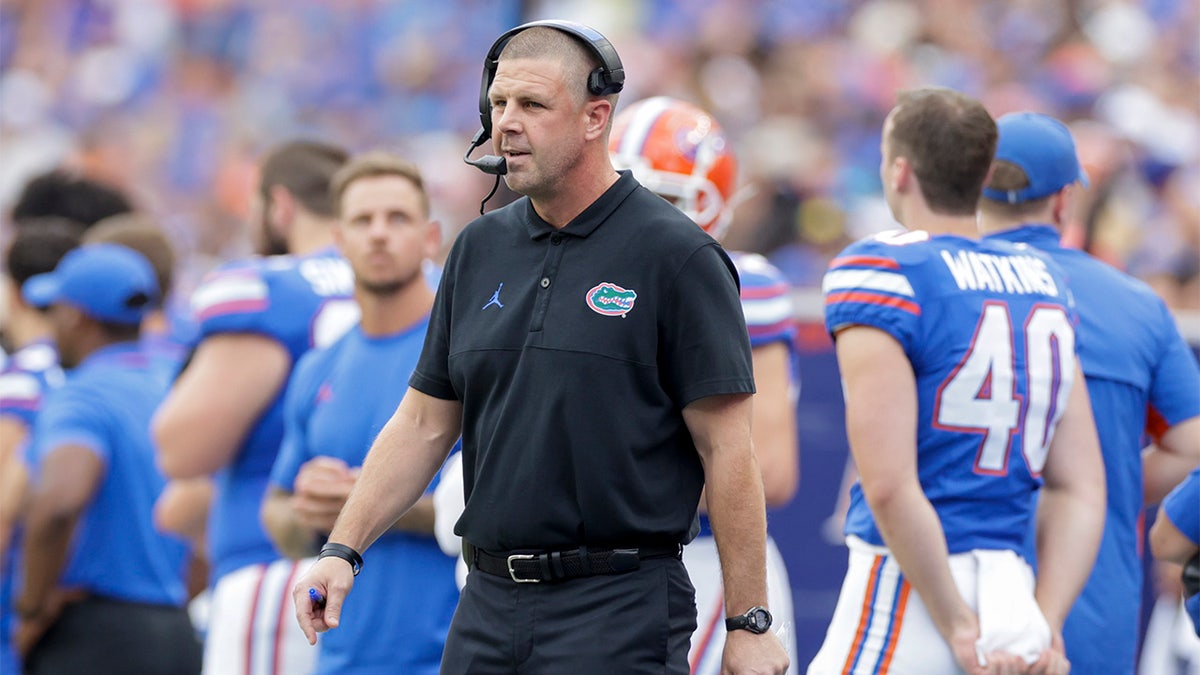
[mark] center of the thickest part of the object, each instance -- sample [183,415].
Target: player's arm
[230,381]
[280,520]
[14,477]
[881,424]
[1173,418]
[182,510]
[1175,536]
[774,423]
[1169,543]
[720,428]
[298,521]
[68,478]
[1070,517]
[1169,460]
[401,463]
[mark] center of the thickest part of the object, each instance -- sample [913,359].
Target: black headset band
[608,78]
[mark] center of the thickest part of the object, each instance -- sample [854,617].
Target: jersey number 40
[981,395]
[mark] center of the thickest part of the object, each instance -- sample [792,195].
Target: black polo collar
[591,218]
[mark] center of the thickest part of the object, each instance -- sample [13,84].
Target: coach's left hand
[332,578]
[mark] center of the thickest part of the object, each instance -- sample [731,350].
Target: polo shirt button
[545,282]
[556,239]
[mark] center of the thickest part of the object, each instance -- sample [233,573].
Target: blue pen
[318,600]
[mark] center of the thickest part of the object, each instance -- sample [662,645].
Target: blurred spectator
[170,101]
[30,374]
[95,483]
[59,194]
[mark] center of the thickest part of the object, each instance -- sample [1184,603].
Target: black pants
[638,622]
[99,636]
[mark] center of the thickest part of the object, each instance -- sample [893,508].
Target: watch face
[760,620]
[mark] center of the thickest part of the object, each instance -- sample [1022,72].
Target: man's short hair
[140,233]
[304,168]
[38,244]
[1007,176]
[378,163]
[545,43]
[949,139]
[62,194]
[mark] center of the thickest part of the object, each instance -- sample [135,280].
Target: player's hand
[962,640]
[1003,663]
[749,653]
[319,595]
[29,631]
[322,486]
[1053,660]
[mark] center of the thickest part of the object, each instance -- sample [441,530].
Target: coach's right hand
[332,579]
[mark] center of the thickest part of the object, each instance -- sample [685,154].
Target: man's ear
[12,295]
[902,175]
[339,234]
[281,210]
[1060,205]
[598,112]
[73,318]
[433,240]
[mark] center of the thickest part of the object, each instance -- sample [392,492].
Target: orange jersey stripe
[698,656]
[282,625]
[1156,424]
[874,299]
[864,261]
[860,635]
[894,634]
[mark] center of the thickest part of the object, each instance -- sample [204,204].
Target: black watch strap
[332,550]
[756,620]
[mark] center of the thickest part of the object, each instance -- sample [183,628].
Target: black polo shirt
[573,353]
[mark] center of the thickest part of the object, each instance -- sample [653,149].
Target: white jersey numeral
[1049,351]
[980,396]
[333,320]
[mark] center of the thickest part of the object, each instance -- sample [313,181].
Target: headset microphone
[489,164]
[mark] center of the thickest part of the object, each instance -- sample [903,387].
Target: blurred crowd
[173,100]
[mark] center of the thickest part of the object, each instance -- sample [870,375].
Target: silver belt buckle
[513,573]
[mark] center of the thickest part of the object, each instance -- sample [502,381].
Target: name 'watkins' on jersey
[989,330]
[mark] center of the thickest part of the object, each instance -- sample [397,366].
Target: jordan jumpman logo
[495,298]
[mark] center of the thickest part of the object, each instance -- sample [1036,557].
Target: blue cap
[1043,148]
[108,282]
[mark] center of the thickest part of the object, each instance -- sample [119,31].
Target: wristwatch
[755,620]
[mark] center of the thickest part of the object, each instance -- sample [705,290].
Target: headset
[607,78]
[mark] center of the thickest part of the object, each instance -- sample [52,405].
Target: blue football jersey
[25,378]
[301,302]
[1139,370]
[338,401]
[770,317]
[989,330]
[30,372]
[766,300]
[105,406]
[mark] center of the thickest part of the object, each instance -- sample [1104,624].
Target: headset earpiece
[608,78]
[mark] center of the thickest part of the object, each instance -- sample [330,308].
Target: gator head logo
[610,299]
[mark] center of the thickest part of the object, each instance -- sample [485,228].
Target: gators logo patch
[610,299]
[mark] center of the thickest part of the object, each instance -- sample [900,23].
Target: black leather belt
[532,568]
